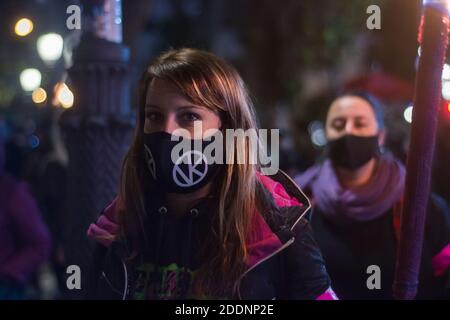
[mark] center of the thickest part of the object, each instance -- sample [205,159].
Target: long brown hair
[209,81]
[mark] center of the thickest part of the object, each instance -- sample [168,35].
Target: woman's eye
[338,124]
[360,125]
[152,116]
[190,117]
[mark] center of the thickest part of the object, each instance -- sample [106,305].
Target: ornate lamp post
[98,127]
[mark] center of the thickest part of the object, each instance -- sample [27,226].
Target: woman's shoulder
[284,203]
[284,190]
[106,228]
[305,178]
[15,193]
[10,184]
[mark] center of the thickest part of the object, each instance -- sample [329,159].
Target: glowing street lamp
[63,96]
[50,47]
[23,27]
[407,114]
[30,79]
[39,96]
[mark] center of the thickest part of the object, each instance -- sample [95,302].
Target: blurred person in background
[45,170]
[24,239]
[356,194]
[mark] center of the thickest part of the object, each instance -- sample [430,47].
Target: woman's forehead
[351,106]
[158,88]
[163,94]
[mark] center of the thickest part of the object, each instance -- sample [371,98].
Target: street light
[30,79]
[39,96]
[440,4]
[407,114]
[63,96]
[50,47]
[446,82]
[23,27]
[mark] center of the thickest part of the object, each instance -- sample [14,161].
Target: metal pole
[434,40]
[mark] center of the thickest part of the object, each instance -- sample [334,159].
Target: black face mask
[188,172]
[352,152]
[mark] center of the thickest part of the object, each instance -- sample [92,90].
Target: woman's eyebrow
[151,106]
[187,107]
[340,118]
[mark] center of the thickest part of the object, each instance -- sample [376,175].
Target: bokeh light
[63,96]
[407,114]
[50,47]
[39,96]
[30,79]
[23,27]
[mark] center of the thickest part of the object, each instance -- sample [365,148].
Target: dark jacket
[352,247]
[284,260]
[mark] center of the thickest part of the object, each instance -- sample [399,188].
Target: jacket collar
[273,228]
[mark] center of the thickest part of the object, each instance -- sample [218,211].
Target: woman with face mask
[357,195]
[197,228]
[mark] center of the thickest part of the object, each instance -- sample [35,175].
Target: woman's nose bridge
[170,123]
[349,126]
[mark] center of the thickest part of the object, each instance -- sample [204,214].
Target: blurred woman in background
[356,194]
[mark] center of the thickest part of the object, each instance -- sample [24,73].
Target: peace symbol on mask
[193,172]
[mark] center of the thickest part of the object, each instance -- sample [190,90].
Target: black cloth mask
[352,152]
[188,172]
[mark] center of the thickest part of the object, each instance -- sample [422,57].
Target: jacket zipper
[302,193]
[284,246]
[127,282]
[288,243]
